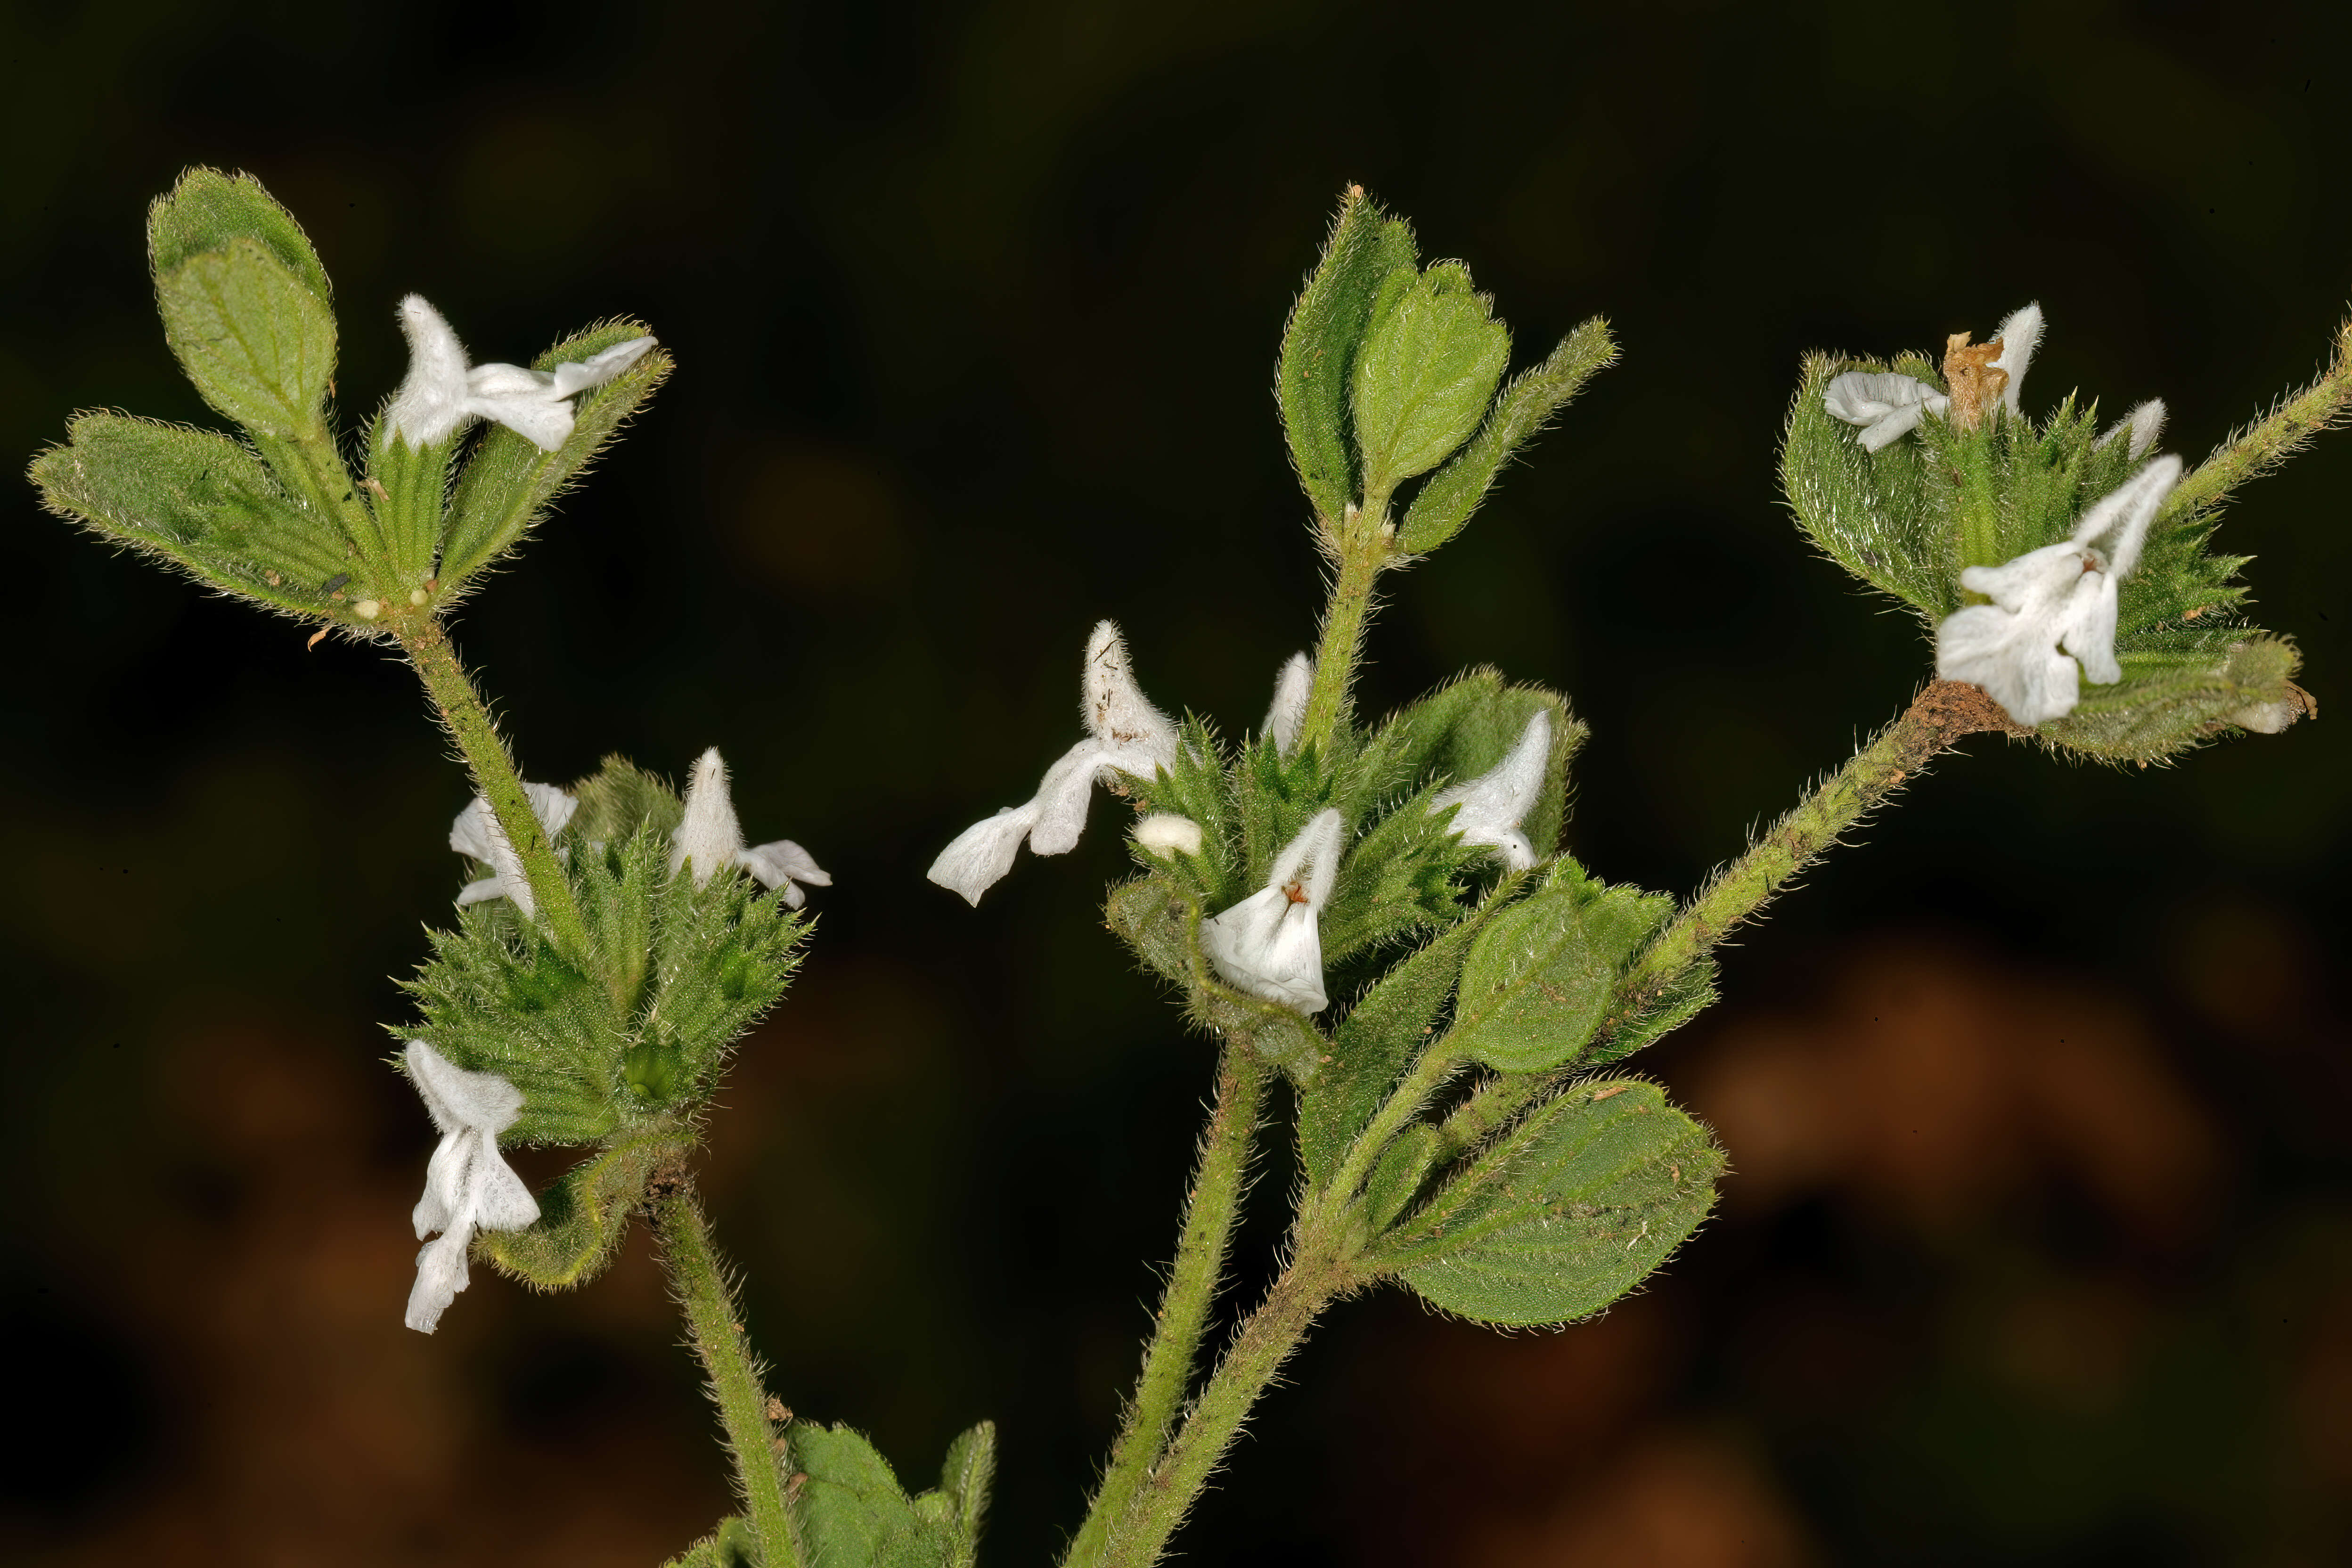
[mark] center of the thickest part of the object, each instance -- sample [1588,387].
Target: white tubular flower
[1495,803]
[476,832]
[1271,943]
[441,393]
[1167,835]
[710,837]
[2019,336]
[2146,422]
[2051,602]
[1292,686]
[1887,405]
[1124,734]
[467,1186]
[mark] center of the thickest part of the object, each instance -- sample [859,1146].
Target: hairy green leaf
[1537,982]
[585,1215]
[1519,413]
[1320,341]
[2180,689]
[255,340]
[509,484]
[855,1514]
[207,505]
[209,210]
[1585,1197]
[1429,367]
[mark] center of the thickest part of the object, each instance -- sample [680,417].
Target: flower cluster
[2052,617]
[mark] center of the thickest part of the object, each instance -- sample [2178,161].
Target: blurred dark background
[2037,1250]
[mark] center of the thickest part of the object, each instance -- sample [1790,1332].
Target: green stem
[711,1317]
[1193,1283]
[1265,1342]
[1943,713]
[2271,439]
[1362,547]
[470,723]
[1427,1077]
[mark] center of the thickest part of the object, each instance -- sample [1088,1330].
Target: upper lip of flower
[1490,807]
[441,392]
[1125,733]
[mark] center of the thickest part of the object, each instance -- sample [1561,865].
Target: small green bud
[1320,341]
[1428,369]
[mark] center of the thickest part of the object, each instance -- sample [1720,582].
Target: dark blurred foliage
[2037,1249]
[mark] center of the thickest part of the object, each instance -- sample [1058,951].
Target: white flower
[2019,336]
[441,393]
[710,837]
[1886,404]
[1165,834]
[2146,422]
[2059,597]
[1270,944]
[1889,405]
[467,1187]
[1495,803]
[1292,687]
[477,832]
[1124,734]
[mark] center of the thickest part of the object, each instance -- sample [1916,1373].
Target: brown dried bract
[1974,383]
[1949,710]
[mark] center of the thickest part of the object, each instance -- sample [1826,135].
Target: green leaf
[1428,369]
[735,1544]
[2179,690]
[209,210]
[621,799]
[509,484]
[256,341]
[1320,344]
[1672,1005]
[1537,982]
[583,1215]
[1869,512]
[204,503]
[854,1513]
[1382,1035]
[1519,413]
[1566,1213]
[960,1503]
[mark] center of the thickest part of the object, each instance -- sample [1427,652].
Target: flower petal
[979,856]
[1293,685]
[2020,335]
[1492,805]
[431,402]
[708,833]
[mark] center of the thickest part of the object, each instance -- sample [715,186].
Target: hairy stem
[1257,1352]
[2269,440]
[470,723]
[1428,1075]
[717,1329]
[1943,713]
[1361,546]
[1192,1283]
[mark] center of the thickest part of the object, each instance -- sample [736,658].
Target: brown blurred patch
[1681,1498]
[818,519]
[1928,1083]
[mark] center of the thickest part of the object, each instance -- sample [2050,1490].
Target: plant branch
[1193,1284]
[1257,1352]
[1360,546]
[1944,713]
[470,725]
[717,1331]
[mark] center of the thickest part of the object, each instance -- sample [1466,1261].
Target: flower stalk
[1194,1283]
[462,713]
[715,1324]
